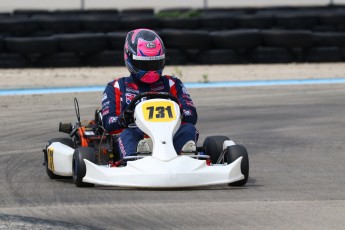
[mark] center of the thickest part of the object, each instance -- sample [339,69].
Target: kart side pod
[59,159]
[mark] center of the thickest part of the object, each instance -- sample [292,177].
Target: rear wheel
[66,141]
[79,167]
[233,153]
[213,146]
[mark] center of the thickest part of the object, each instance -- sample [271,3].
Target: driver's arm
[111,108]
[189,111]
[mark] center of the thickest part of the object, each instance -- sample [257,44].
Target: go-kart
[90,157]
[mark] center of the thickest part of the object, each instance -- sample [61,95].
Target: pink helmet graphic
[144,55]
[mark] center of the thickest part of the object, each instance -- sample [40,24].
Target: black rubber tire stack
[296,42]
[129,23]
[18,26]
[214,22]
[100,23]
[58,24]
[69,38]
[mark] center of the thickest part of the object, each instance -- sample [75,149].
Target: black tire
[1,44]
[11,60]
[67,12]
[31,45]
[135,22]
[79,167]
[233,153]
[29,13]
[116,40]
[192,55]
[329,39]
[271,55]
[139,11]
[217,22]
[287,38]
[186,39]
[254,21]
[218,56]
[213,146]
[179,23]
[222,11]
[325,28]
[237,39]
[66,141]
[332,18]
[100,23]
[3,15]
[324,54]
[66,59]
[174,10]
[18,26]
[105,58]
[109,12]
[299,20]
[58,24]
[82,43]
[175,57]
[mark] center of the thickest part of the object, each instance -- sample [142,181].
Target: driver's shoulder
[119,81]
[170,77]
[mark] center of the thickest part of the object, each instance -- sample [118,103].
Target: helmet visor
[148,65]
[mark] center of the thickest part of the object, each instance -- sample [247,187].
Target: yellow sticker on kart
[50,158]
[162,111]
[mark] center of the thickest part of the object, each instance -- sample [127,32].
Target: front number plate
[159,111]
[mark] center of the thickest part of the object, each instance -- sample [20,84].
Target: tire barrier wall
[38,38]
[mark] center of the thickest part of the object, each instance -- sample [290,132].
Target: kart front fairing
[149,172]
[160,119]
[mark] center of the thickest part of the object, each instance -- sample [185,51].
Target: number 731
[159,112]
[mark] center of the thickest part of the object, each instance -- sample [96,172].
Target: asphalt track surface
[294,135]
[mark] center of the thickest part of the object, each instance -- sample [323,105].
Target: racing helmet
[144,55]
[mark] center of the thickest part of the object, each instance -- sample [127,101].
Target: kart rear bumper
[149,172]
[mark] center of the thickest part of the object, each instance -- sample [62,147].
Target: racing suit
[119,93]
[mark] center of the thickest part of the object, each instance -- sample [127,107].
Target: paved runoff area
[294,135]
[74,77]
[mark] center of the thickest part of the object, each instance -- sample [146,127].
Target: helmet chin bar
[150,77]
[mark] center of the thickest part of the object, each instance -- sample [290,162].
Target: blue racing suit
[119,93]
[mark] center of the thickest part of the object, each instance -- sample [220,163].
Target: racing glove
[126,118]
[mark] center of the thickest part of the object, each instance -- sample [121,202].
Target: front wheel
[233,153]
[79,167]
[213,146]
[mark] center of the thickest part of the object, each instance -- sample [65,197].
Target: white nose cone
[160,119]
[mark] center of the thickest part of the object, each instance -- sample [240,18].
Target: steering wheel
[149,95]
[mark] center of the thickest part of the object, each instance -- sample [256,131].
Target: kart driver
[144,55]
